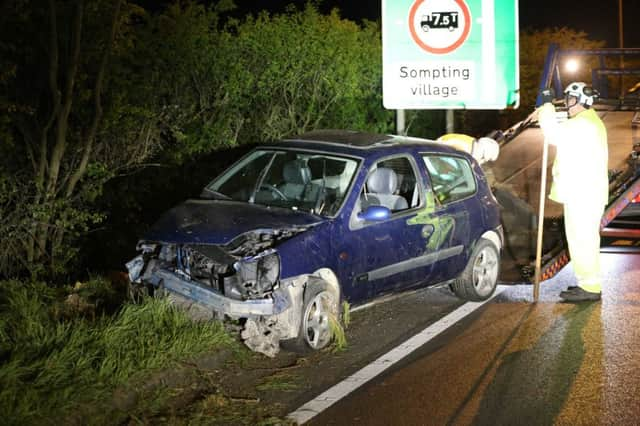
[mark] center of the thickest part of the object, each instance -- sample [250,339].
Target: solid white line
[353,382]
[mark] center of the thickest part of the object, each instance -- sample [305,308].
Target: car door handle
[427,231]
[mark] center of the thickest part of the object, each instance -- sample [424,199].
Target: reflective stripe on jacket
[580,168]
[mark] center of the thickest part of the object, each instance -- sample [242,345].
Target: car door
[451,210]
[388,252]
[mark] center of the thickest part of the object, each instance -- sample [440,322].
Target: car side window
[451,177]
[391,183]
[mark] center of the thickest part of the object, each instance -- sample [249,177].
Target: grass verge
[52,362]
[339,335]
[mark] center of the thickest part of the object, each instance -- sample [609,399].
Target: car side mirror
[375,214]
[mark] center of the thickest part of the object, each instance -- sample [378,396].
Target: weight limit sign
[439,26]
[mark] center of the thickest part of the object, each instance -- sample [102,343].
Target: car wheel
[318,307]
[479,279]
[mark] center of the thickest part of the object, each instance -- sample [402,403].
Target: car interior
[392,184]
[451,177]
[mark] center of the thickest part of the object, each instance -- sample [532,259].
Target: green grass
[339,335]
[218,409]
[346,314]
[338,327]
[281,382]
[52,361]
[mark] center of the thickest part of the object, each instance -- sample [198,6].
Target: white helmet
[583,93]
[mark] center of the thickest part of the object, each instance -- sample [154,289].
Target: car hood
[227,223]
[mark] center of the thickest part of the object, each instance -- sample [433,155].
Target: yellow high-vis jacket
[483,149]
[580,172]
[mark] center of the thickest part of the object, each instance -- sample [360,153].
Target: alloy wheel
[485,271]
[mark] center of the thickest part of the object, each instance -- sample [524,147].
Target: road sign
[428,19]
[446,54]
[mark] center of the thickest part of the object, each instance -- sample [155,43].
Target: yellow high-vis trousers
[582,228]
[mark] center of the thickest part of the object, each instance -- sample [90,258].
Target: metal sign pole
[400,122]
[449,119]
[543,191]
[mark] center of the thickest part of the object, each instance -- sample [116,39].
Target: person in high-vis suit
[580,183]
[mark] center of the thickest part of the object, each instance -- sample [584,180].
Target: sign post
[449,54]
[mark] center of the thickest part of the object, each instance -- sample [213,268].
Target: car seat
[382,184]
[297,181]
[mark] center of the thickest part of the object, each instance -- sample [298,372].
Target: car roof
[359,143]
[344,137]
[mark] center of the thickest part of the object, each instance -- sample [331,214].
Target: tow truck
[518,169]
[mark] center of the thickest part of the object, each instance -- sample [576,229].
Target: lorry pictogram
[439,20]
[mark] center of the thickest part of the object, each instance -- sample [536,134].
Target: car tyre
[318,307]
[479,279]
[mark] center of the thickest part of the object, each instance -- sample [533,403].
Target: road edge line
[338,391]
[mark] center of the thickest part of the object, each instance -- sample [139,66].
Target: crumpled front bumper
[210,298]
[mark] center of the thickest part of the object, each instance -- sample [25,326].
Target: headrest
[297,172]
[382,181]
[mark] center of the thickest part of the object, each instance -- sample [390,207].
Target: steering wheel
[274,191]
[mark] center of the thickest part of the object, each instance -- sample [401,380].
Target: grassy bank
[57,355]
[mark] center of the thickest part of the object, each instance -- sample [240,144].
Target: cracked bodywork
[240,279]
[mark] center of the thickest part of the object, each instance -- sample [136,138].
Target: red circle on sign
[439,50]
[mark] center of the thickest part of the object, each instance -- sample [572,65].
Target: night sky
[597,18]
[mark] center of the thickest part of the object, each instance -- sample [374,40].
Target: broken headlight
[167,253]
[135,267]
[255,276]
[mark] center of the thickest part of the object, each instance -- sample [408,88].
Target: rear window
[451,177]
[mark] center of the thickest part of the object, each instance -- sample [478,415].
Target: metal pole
[450,127]
[400,122]
[620,27]
[621,42]
[543,192]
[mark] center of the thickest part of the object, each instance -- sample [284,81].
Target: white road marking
[353,382]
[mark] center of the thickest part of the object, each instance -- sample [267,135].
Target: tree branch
[62,124]
[55,95]
[97,101]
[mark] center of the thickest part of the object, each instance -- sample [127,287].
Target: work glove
[547,95]
[486,149]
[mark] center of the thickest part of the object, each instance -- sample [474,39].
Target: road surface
[515,362]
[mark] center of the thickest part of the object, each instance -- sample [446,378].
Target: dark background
[599,19]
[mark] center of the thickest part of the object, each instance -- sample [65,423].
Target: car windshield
[312,182]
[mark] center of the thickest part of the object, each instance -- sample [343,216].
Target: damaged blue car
[295,228]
